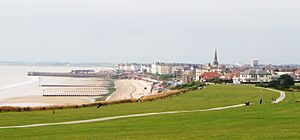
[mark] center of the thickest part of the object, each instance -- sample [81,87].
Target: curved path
[120,117]
[281,98]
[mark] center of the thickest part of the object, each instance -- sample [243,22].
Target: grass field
[265,121]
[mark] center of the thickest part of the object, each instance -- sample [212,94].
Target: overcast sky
[150,30]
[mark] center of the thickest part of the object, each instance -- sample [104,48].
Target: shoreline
[32,93]
[125,89]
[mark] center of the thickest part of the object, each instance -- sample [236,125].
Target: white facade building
[135,67]
[255,76]
[158,68]
[155,68]
[145,69]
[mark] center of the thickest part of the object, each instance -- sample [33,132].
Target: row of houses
[191,72]
[155,68]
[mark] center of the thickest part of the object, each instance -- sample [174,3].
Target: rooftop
[255,72]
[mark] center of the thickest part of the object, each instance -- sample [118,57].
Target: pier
[73,73]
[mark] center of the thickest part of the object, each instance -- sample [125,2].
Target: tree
[285,81]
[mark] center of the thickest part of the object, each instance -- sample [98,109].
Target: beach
[18,89]
[48,91]
[128,88]
[125,89]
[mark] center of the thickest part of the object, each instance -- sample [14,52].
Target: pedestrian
[53,112]
[99,105]
[261,101]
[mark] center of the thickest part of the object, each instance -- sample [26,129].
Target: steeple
[216,63]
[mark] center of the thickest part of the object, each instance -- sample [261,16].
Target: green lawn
[254,122]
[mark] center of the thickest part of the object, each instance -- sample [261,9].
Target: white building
[135,67]
[283,73]
[236,80]
[145,69]
[199,73]
[254,63]
[159,68]
[127,67]
[175,69]
[155,68]
[255,76]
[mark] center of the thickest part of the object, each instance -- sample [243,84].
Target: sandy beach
[127,89]
[30,93]
[18,89]
[43,101]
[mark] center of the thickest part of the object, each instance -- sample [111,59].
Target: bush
[285,82]
[195,87]
[296,87]
[191,86]
[219,81]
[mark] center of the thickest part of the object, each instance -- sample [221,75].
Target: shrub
[285,82]
[195,87]
[191,86]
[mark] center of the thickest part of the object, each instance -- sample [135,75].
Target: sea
[14,81]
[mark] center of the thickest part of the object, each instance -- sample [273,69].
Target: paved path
[120,117]
[278,100]
[281,98]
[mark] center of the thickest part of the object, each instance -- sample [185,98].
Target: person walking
[99,105]
[261,101]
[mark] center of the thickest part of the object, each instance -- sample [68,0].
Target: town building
[135,67]
[165,69]
[209,75]
[187,76]
[176,69]
[255,76]
[161,69]
[232,74]
[144,68]
[255,63]
[297,73]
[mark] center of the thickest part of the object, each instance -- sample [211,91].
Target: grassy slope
[214,96]
[248,122]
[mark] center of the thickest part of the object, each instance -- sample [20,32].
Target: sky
[145,31]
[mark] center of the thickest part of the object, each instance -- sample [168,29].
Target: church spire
[216,63]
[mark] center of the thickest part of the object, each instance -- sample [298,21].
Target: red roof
[297,72]
[210,75]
